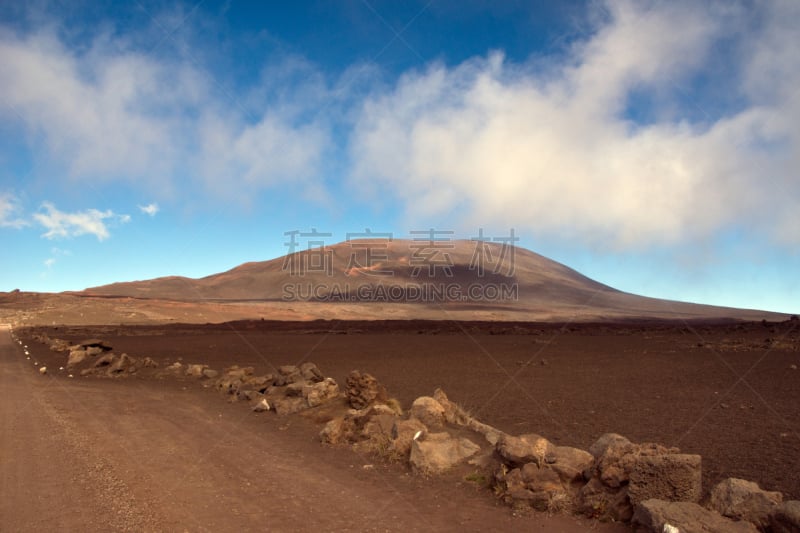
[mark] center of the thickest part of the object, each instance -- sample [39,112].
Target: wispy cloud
[149,209]
[9,211]
[55,254]
[108,111]
[60,224]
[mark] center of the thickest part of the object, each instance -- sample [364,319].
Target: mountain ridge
[459,275]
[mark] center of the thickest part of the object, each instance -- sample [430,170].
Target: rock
[688,517]
[322,392]
[546,491]
[517,451]
[439,452]
[453,414]
[609,440]
[403,432]
[247,395]
[596,500]
[296,389]
[261,406]
[785,518]
[147,362]
[259,383]
[363,390]
[59,345]
[288,370]
[378,434]
[175,367]
[195,370]
[76,357]
[210,373]
[43,370]
[105,360]
[569,463]
[96,343]
[311,373]
[623,472]
[94,350]
[744,500]
[428,411]
[511,485]
[670,477]
[332,432]
[288,406]
[283,380]
[120,364]
[238,372]
[619,458]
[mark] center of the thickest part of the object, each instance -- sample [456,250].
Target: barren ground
[165,454]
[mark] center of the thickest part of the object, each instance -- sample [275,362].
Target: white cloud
[49,262]
[554,153]
[149,209]
[9,209]
[107,111]
[90,222]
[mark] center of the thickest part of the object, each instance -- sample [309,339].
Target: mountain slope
[453,275]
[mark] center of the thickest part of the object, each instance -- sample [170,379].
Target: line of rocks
[653,487]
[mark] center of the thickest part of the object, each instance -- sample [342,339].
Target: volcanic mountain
[420,279]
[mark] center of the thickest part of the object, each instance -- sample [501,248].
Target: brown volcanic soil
[91,454]
[725,391]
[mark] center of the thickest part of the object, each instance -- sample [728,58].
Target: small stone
[261,406]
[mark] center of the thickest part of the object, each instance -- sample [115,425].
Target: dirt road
[109,455]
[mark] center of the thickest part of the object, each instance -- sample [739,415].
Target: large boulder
[428,411]
[363,390]
[517,451]
[785,518]
[322,392]
[744,500]
[624,473]
[651,516]
[670,477]
[439,452]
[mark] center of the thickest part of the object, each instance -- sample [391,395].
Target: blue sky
[653,146]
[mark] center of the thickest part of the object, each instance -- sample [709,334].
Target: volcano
[414,279]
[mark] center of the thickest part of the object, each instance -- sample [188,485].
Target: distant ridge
[454,276]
